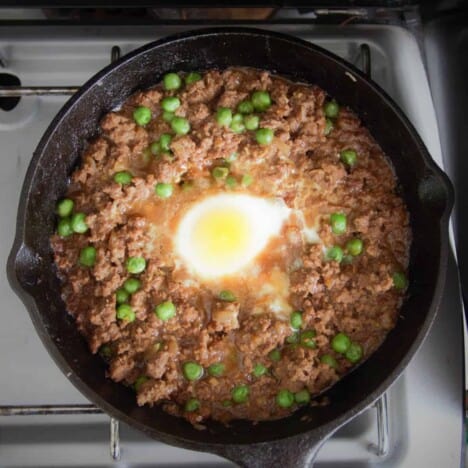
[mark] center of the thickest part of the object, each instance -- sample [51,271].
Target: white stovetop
[425,405]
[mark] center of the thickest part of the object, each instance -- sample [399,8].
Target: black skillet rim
[319,432]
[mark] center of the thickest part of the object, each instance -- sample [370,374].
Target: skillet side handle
[295,452]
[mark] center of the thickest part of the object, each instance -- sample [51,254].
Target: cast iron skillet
[293,441]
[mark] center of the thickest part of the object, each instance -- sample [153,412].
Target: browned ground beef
[303,167]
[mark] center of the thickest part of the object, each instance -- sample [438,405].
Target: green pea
[187,185]
[264,136]
[331,109]
[64,227]
[136,265]
[307,339]
[329,360]
[245,107]
[296,319]
[164,141]
[123,177]
[338,223]
[251,122]
[155,148]
[284,398]
[347,260]
[227,296]
[399,280]
[348,157]
[226,403]
[180,125]
[341,343]
[121,296]
[192,77]
[259,370]
[132,285]
[165,311]
[191,405]
[302,397]
[192,370]
[232,157]
[261,100]
[125,312]
[88,256]
[220,172]
[237,124]
[240,393]
[139,382]
[142,115]
[171,81]
[247,179]
[328,127]
[293,339]
[167,116]
[163,190]
[78,223]
[275,355]
[231,181]
[334,253]
[224,116]
[170,103]
[354,353]
[217,369]
[65,207]
[105,351]
[354,247]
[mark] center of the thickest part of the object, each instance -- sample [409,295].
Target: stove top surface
[424,417]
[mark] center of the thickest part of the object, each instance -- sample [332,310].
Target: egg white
[309,234]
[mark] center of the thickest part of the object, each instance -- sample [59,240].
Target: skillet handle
[295,452]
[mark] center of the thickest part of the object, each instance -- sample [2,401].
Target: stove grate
[363,59]
[380,449]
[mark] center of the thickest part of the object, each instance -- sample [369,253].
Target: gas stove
[45,421]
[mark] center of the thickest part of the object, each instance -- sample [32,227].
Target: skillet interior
[424,187]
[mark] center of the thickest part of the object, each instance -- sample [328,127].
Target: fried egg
[222,234]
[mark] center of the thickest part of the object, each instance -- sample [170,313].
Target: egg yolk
[220,237]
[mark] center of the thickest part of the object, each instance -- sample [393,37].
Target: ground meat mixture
[316,300]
